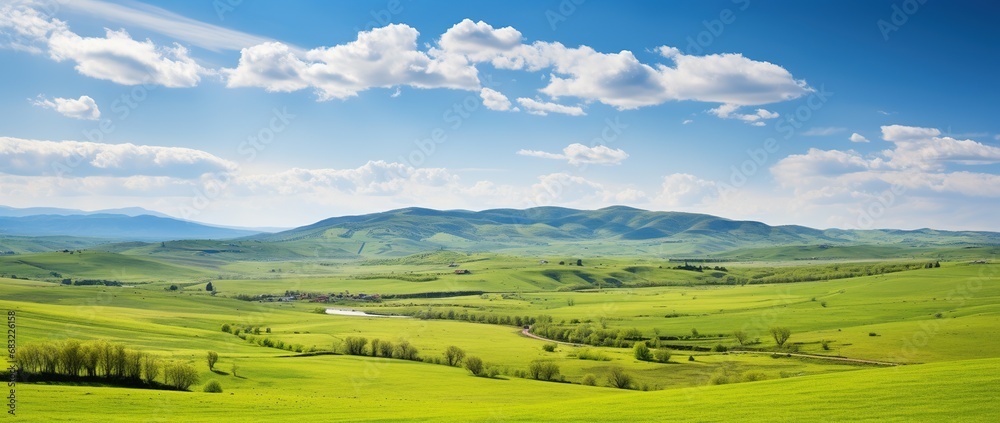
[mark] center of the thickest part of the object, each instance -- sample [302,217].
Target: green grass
[953,358]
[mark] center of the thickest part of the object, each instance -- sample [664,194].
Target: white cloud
[79,159]
[116,57]
[620,80]
[728,111]
[542,108]
[856,137]
[579,154]
[682,189]
[81,108]
[563,188]
[382,57]
[920,161]
[822,131]
[686,121]
[478,41]
[494,100]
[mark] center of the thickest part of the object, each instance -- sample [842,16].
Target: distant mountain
[614,230]
[32,211]
[117,227]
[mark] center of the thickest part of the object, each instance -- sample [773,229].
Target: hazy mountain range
[614,230]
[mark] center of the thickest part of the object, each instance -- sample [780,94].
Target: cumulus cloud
[579,154]
[563,188]
[382,57]
[494,100]
[616,79]
[856,137]
[919,160]
[80,159]
[683,189]
[116,57]
[81,108]
[728,111]
[478,40]
[373,178]
[542,108]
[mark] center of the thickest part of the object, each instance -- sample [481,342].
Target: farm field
[939,325]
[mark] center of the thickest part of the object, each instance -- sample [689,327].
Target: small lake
[341,312]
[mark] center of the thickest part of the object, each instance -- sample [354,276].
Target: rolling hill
[609,231]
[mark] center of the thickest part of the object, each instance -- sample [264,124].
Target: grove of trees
[101,360]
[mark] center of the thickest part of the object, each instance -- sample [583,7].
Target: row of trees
[464,315]
[113,362]
[357,345]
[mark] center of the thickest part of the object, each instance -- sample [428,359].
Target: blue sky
[851,114]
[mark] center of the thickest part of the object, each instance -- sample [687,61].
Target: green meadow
[933,330]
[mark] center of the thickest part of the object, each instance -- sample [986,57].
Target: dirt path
[526,332]
[531,335]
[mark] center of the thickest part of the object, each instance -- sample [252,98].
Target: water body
[355,313]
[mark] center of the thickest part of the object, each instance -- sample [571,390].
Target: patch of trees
[252,334]
[357,345]
[826,272]
[89,282]
[699,268]
[465,316]
[543,370]
[586,333]
[100,362]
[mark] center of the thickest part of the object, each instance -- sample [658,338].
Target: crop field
[854,341]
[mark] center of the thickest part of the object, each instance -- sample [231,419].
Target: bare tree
[780,335]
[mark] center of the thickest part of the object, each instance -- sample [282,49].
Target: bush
[213,387]
[641,352]
[226,328]
[589,354]
[550,347]
[355,345]
[543,370]
[690,358]
[872,334]
[589,380]
[454,355]
[720,348]
[662,355]
[618,378]
[475,365]
[825,344]
[753,376]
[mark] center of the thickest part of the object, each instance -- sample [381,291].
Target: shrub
[618,378]
[213,387]
[355,345]
[753,376]
[550,347]
[226,328]
[662,355]
[454,355]
[825,344]
[642,352]
[589,354]
[720,348]
[543,370]
[690,358]
[475,365]
[872,334]
[589,380]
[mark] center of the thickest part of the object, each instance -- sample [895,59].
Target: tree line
[101,361]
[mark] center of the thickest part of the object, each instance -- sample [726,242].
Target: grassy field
[942,323]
